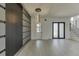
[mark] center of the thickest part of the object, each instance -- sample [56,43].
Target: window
[77,21]
[38,27]
[72,21]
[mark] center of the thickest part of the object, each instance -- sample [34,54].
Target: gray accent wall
[13,28]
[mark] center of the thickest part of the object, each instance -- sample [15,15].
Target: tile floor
[55,47]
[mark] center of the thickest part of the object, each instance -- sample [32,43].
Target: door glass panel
[61,30]
[58,30]
[55,30]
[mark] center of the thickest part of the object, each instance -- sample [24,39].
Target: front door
[58,30]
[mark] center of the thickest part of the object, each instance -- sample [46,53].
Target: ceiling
[53,9]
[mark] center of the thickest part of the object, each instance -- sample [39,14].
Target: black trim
[70,26]
[19,5]
[26,36]
[26,42]
[27,21]
[2,36]
[2,21]
[27,14]
[58,30]
[26,26]
[2,51]
[64,29]
[2,7]
[26,31]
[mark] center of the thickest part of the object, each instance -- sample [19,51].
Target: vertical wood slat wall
[26,28]
[2,29]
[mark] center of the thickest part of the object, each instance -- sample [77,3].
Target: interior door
[58,30]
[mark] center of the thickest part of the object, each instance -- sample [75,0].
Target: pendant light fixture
[38,25]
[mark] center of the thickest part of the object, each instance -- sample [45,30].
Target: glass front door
[58,30]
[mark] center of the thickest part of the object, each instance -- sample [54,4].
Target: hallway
[39,29]
[50,48]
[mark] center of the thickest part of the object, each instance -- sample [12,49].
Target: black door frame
[58,30]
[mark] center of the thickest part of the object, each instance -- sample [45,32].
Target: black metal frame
[58,30]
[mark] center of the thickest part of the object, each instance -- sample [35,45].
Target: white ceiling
[53,9]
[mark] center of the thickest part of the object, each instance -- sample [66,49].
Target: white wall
[75,34]
[2,29]
[34,34]
[47,28]
[75,29]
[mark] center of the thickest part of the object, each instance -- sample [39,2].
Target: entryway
[58,30]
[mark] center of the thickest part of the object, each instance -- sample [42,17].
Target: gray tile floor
[56,47]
